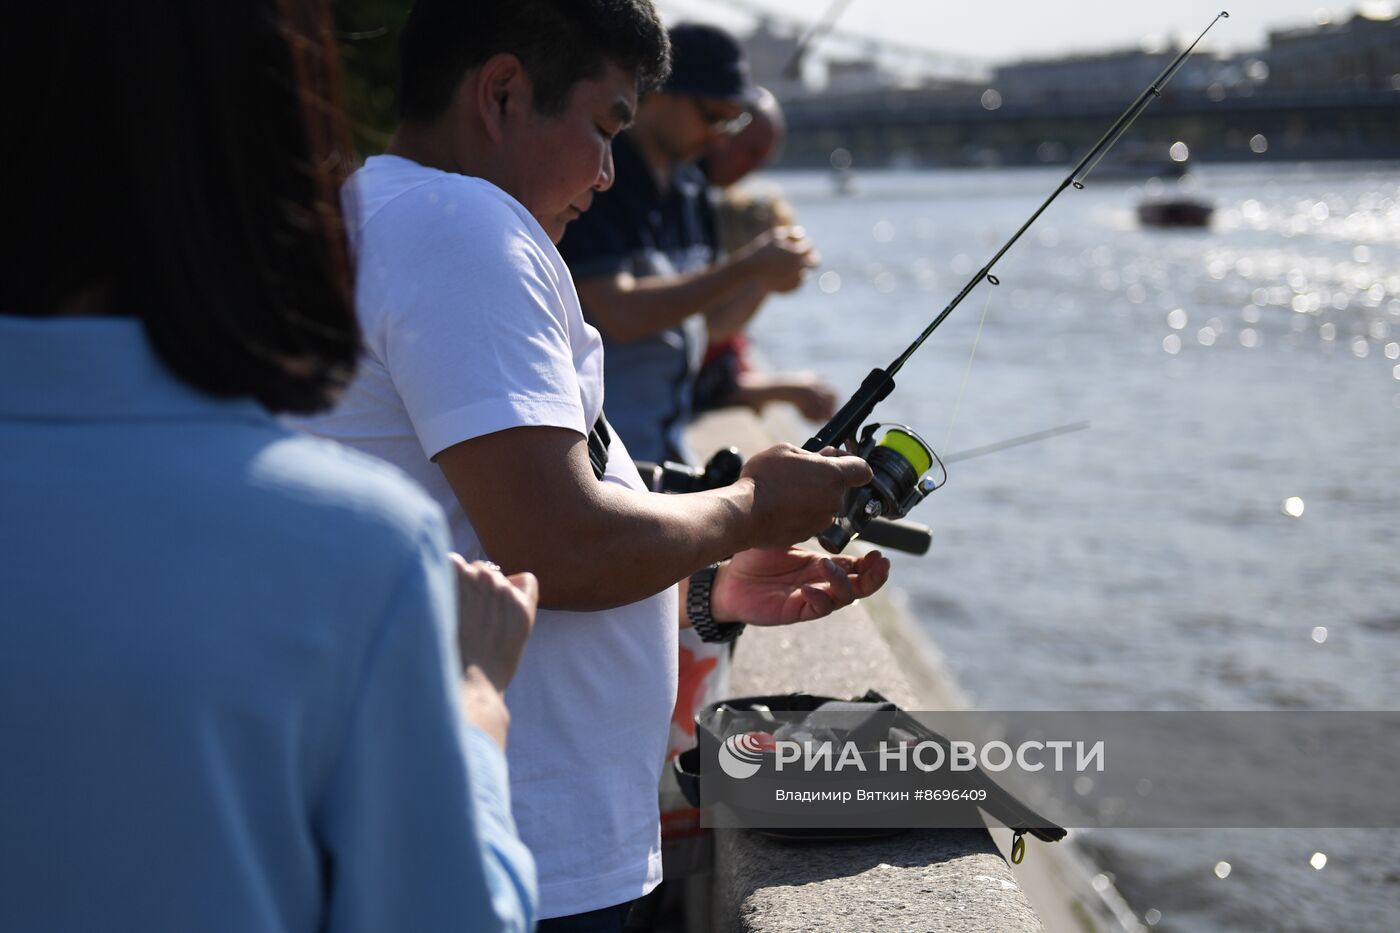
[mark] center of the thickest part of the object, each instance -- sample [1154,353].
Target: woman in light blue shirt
[231,696]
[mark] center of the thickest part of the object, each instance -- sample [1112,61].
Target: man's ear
[500,92]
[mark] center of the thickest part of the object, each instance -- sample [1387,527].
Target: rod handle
[910,537]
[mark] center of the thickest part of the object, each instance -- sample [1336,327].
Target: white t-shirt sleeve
[462,306]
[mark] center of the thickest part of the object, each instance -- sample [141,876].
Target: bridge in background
[922,128]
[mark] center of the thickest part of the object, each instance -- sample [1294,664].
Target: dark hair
[184,159]
[560,42]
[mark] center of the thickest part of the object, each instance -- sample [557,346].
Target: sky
[1003,30]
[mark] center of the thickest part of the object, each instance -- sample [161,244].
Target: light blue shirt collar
[96,368]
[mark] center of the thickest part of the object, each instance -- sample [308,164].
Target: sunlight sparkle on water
[830,282]
[1152,917]
[1293,507]
[1176,319]
[1222,870]
[1319,634]
[1172,344]
[1318,860]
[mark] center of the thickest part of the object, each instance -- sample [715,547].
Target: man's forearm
[729,317]
[536,506]
[626,309]
[632,545]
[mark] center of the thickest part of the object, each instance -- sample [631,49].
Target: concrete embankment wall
[918,880]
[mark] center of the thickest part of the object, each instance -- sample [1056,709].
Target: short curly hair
[560,42]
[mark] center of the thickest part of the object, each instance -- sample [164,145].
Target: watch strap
[697,608]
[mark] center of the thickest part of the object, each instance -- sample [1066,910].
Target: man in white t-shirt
[482,380]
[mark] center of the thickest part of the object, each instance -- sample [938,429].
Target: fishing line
[967,370]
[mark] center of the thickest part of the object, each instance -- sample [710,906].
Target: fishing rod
[902,462]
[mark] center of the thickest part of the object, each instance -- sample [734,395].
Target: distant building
[857,76]
[1329,91]
[1118,74]
[1361,54]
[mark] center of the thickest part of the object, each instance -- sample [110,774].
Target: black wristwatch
[697,607]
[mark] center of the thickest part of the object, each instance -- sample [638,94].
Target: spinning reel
[899,446]
[905,471]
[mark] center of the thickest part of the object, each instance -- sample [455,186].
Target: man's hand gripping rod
[892,493]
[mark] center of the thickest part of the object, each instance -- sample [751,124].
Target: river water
[1230,376]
